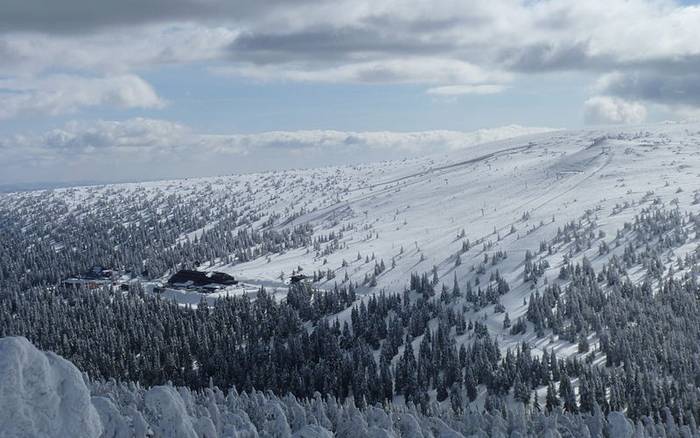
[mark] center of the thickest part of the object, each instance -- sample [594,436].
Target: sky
[147,89]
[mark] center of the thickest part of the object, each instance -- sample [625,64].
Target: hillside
[414,215]
[551,269]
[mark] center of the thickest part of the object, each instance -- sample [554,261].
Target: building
[95,277]
[205,281]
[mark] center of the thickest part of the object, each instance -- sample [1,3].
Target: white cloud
[62,94]
[424,70]
[600,110]
[146,145]
[458,90]
[685,113]
[329,140]
[349,40]
[134,134]
[142,134]
[450,48]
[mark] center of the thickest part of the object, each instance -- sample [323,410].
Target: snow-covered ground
[421,206]
[444,213]
[192,297]
[417,214]
[510,195]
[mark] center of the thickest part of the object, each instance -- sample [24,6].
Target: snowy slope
[530,185]
[415,216]
[554,175]
[508,195]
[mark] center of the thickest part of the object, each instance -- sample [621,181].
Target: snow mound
[169,413]
[42,394]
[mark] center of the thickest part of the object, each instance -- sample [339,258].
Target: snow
[168,413]
[312,431]
[42,395]
[619,426]
[193,298]
[113,423]
[421,205]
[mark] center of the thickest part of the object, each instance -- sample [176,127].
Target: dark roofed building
[189,278]
[221,278]
[186,276]
[96,276]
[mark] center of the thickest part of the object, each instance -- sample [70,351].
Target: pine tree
[506,321]
[470,384]
[520,390]
[441,389]
[536,402]
[456,292]
[567,395]
[552,402]
[456,399]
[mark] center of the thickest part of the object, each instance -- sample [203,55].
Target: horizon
[20,186]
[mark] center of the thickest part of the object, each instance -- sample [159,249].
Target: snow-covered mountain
[507,196]
[413,215]
[538,240]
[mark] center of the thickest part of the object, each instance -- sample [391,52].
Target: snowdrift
[42,394]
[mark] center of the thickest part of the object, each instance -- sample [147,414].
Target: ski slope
[422,205]
[506,196]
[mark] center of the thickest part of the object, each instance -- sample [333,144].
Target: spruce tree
[552,402]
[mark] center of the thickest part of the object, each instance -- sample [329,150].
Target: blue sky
[217,104]
[221,104]
[193,87]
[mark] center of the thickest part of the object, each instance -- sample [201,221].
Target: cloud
[458,90]
[141,134]
[520,36]
[405,142]
[516,35]
[328,43]
[443,45]
[601,110]
[113,52]
[548,56]
[79,16]
[424,70]
[137,134]
[61,94]
[664,87]
[108,149]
